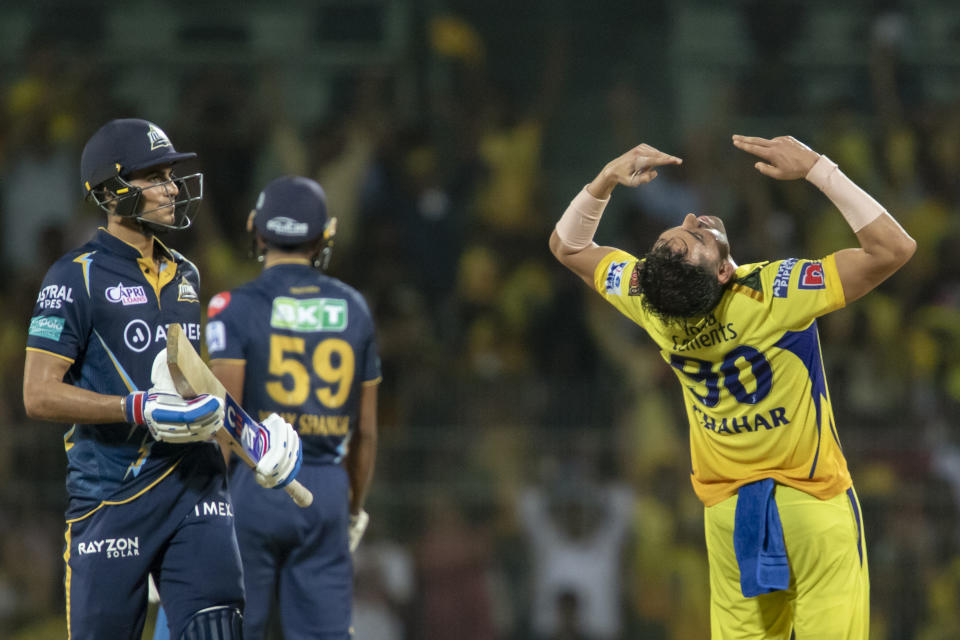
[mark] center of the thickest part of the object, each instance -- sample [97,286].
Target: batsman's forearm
[61,402]
[360,463]
[363,447]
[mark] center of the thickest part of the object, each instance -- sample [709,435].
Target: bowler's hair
[675,290]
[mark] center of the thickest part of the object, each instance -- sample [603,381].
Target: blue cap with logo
[123,146]
[290,211]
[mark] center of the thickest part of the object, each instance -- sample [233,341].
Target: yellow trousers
[829,593]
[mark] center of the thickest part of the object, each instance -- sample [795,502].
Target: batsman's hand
[160,378]
[281,460]
[173,419]
[784,157]
[358,525]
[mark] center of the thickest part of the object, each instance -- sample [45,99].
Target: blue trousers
[180,530]
[297,560]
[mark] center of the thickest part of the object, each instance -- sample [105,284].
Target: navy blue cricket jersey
[99,311]
[308,343]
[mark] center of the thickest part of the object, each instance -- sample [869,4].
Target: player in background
[147,490]
[783,527]
[300,343]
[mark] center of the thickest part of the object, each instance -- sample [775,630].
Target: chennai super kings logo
[157,138]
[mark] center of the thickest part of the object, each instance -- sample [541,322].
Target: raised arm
[572,240]
[884,245]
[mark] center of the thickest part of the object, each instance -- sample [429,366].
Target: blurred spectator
[453,568]
[40,194]
[384,589]
[569,618]
[218,111]
[575,530]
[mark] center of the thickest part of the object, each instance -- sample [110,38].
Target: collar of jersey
[115,245]
[286,262]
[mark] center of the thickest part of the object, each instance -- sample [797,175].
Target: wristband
[133,407]
[857,206]
[579,222]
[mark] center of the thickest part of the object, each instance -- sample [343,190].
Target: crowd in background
[532,480]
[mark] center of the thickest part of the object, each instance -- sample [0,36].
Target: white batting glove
[173,419]
[160,378]
[358,525]
[281,459]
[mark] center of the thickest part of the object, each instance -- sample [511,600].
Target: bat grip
[300,494]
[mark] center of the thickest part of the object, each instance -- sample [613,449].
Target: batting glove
[160,378]
[281,457]
[358,525]
[173,419]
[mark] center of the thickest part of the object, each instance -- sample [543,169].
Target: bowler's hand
[785,157]
[637,166]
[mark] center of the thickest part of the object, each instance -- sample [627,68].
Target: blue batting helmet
[292,211]
[123,146]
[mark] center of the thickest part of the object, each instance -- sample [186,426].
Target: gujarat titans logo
[157,137]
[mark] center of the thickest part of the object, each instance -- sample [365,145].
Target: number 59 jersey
[308,344]
[752,375]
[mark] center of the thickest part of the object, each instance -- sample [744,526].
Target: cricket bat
[240,433]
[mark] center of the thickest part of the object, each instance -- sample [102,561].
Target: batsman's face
[158,193]
[702,238]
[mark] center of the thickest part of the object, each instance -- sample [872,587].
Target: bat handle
[300,494]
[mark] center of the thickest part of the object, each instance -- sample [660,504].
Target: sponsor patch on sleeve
[781,283]
[49,327]
[54,296]
[811,276]
[218,303]
[216,335]
[614,277]
[635,280]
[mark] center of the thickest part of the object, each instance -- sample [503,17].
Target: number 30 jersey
[752,375]
[307,341]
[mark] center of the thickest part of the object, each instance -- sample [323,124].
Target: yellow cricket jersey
[752,375]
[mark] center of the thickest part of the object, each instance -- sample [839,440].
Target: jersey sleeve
[187,269]
[803,290]
[225,334]
[61,320]
[616,279]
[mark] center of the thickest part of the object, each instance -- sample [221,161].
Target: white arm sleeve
[855,204]
[579,222]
